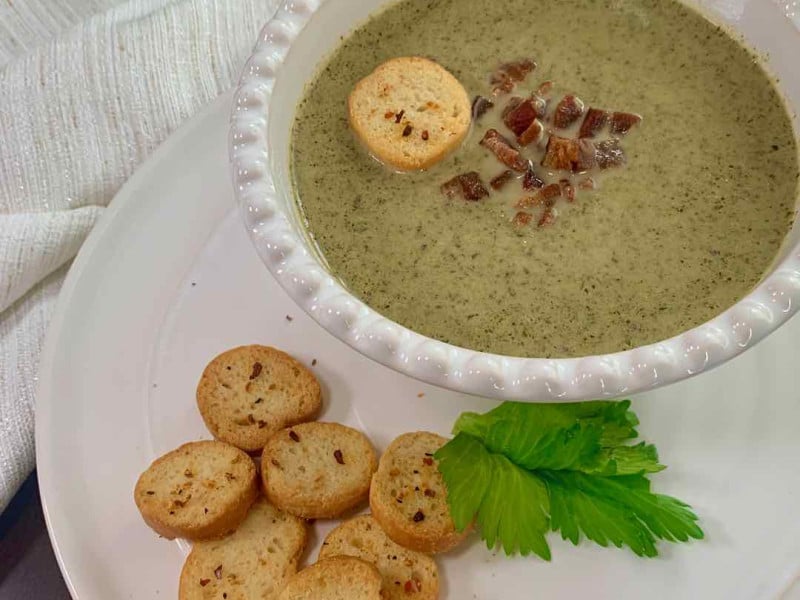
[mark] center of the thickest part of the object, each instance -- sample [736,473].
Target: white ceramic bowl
[286,57]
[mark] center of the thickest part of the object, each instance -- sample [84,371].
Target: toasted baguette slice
[318,470]
[338,578]
[255,562]
[408,497]
[248,393]
[199,491]
[410,113]
[403,571]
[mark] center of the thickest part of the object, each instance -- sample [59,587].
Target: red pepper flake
[399,116]
[593,122]
[218,572]
[257,367]
[548,218]
[314,362]
[419,516]
[521,219]
[430,493]
[428,461]
[499,182]
[568,111]
[337,454]
[407,131]
[622,122]
[568,190]
[412,586]
[150,493]
[204,582]
[504,151]
[421,395]
[480,106]
[469,186]
[294,436]
[388,114]
[425,135]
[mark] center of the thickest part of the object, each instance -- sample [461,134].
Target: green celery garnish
[521,470]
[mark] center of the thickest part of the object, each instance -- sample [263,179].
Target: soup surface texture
[681,233]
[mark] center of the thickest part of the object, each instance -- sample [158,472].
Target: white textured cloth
[88,89]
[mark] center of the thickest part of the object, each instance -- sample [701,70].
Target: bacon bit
[545,89]
[508,75]
[548,218]
[593,122]
[407,131]
[204,582]
[480,106]
[531,180]
[218,572]
[520,117]
[425,135]
[532,134]
[399,116]
[544,197]
[337,454]
[257,367]
[294,436]
[609,154]
[412,586]
[568,190]
[504,151]
[568,111]
[569,155]
[499,182]
[388,114]
[587,184]
[622,122]
[428,461]
[469,186]
[521,219]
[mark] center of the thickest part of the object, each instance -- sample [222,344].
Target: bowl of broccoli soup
[619,215]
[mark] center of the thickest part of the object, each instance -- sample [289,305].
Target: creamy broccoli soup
[680,233]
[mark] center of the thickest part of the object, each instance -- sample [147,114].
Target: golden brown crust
[201,490]
[336,578]
[318,470]
[248,393]
[408,497]
[410,113]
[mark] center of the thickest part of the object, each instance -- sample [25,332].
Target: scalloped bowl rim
[301,272]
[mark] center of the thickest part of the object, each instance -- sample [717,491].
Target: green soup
[681,233]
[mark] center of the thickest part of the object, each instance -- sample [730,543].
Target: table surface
[28,567]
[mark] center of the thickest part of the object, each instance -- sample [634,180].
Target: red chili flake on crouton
[621,122]
[509,74]
[412,586]
[521,219]
[520,117]
[480,106]
[532,134]
[469,186]
[548,218]
[388,114]
[399,116]
[532,181]
[568,111]
[609,153]
[565,154]
[593,122]
[568,190]
[504,151]
[407,131]
[425,135]
[499,182]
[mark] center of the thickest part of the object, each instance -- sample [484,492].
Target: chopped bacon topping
[504,151]
[520,117]
[544,197]
[550,192]
[593,122]
[622,122]
[532,134]
[521,219]
[499,182]
[565,154]
[545,89]
[480,106]
[531,181]
[568,111]
[505,78]
[548,218]
[609,154]
[568,190]
[468,185]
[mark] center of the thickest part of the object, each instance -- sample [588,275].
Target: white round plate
[168,279]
